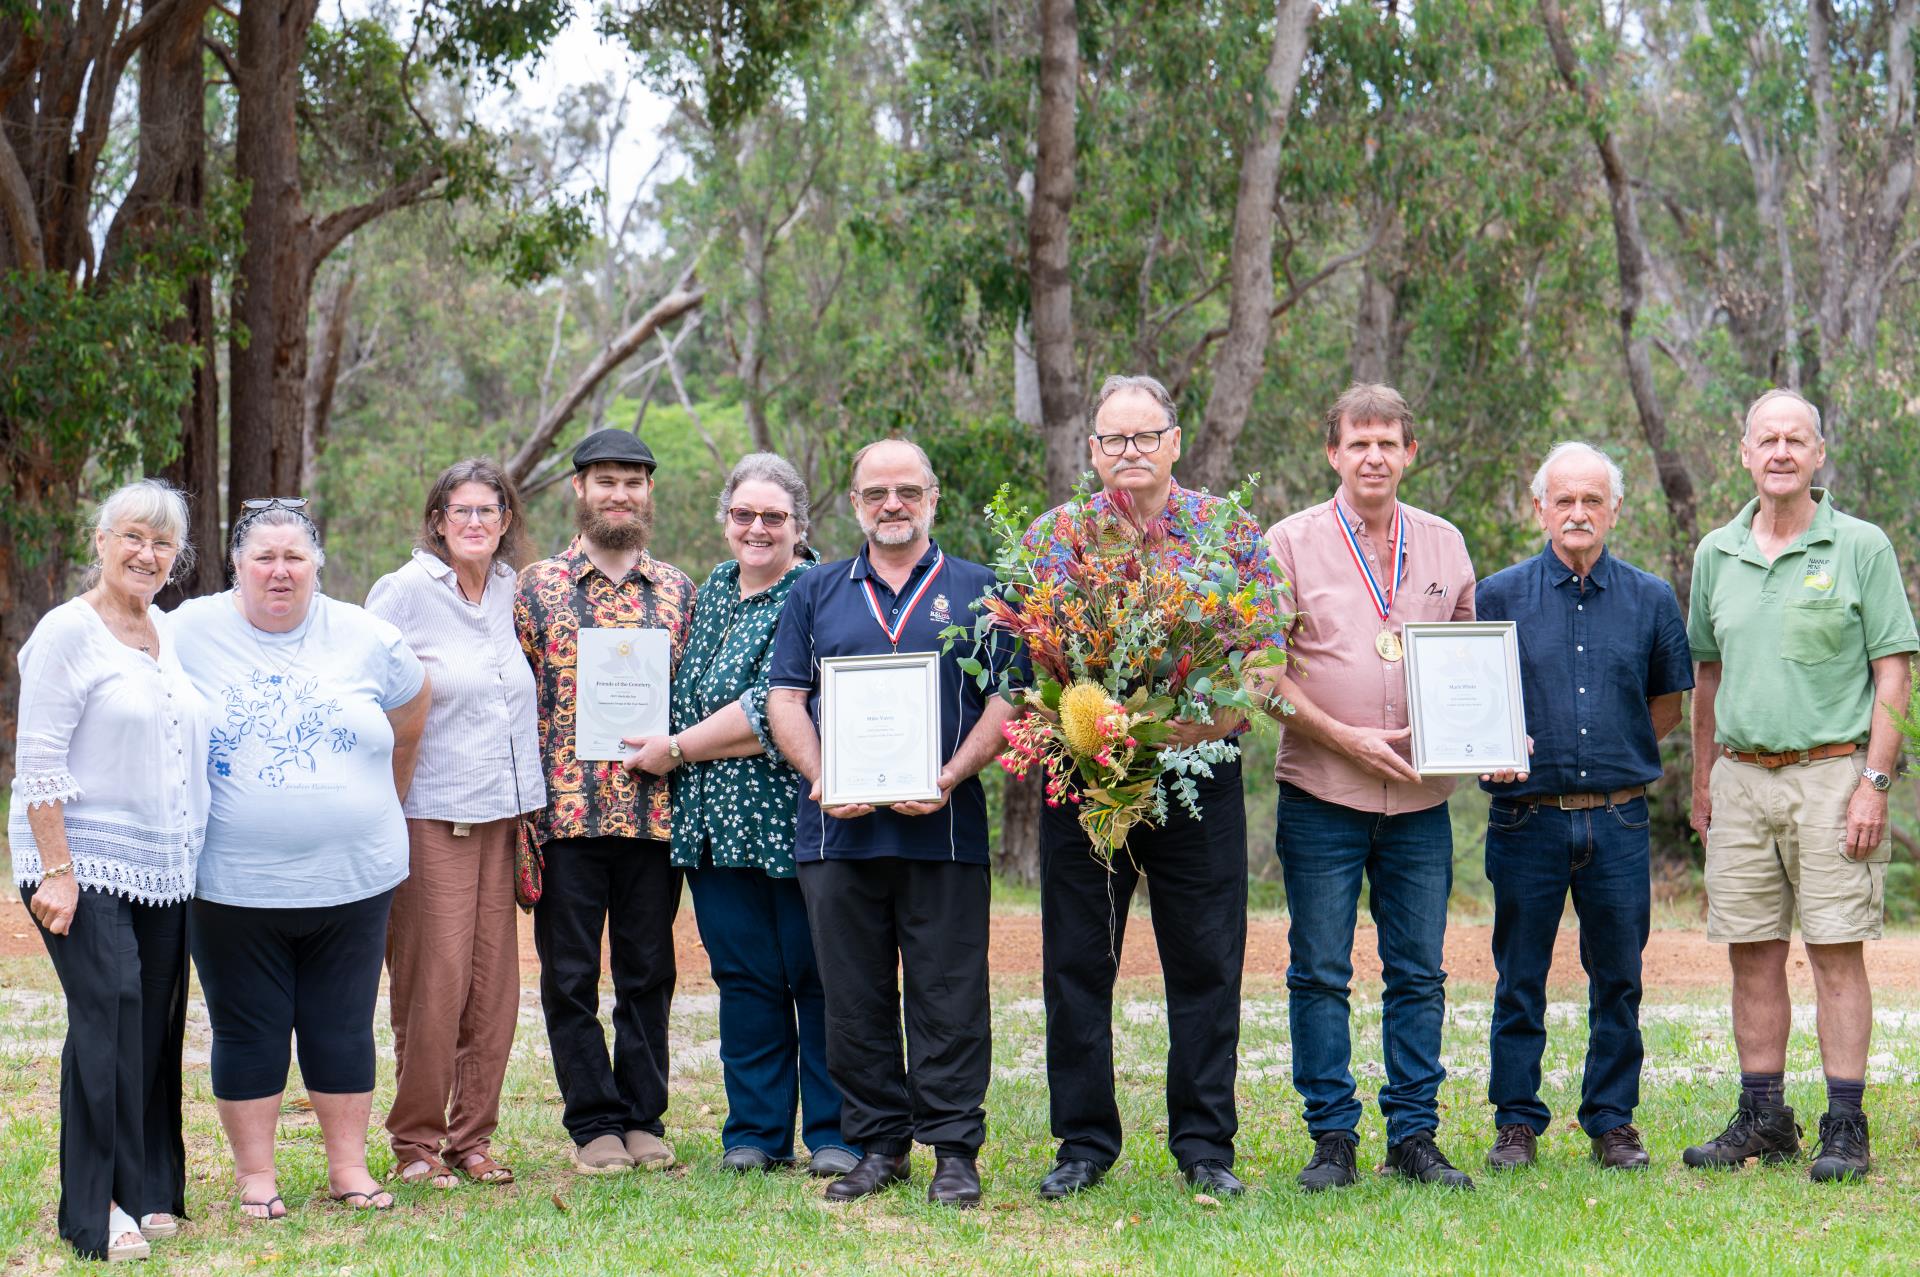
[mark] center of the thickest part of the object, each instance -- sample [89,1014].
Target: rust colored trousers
[453,960]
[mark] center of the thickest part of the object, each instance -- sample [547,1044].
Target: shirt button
[1579,607]
[1583,775]
[1579,647]
[1583,691]
[1583,731]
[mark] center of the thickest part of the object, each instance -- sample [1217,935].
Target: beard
[894,531]
[610,534]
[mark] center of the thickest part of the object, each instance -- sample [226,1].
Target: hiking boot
[1843,1152]
[1620,1149]
[1765,1131]
[1514,1146]
[1417,1158]
[1331,1165]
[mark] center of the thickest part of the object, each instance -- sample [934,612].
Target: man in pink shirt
[1358,567]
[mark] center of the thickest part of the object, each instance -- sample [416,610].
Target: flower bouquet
[1130,623]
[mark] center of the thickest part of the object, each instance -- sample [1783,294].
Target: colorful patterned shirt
[1185,510]
[556,596]
[733,813]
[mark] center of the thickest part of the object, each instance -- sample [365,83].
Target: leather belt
[1585,802]
[1791,756]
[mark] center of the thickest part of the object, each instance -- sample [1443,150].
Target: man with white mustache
[1802,635]
[1603,665]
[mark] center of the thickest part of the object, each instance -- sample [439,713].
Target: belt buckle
[1560,801]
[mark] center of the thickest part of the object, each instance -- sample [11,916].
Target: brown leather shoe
[956,1183]
[875,1172]
[1620,1149]
[1514,1146]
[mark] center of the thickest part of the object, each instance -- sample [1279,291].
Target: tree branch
[335,227]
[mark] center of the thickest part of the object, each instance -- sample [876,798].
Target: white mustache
[1577,525]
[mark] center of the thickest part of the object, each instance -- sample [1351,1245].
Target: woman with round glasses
[733,802]
[452,946]
[109,807]
[318,707]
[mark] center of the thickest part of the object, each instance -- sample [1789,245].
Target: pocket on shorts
[1842,899]
[1814,631]
[1507,816]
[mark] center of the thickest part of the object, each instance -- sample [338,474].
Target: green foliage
[726,53]
[493,37]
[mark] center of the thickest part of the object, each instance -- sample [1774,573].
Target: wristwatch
[673,750]
[1879,780]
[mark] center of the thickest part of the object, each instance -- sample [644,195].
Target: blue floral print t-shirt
[300,758]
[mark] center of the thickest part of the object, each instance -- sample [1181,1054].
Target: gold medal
[1387,643]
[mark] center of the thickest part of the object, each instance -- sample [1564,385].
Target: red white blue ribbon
[1382,598]
[893,632]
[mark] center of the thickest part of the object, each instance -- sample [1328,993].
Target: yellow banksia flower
[1081,708]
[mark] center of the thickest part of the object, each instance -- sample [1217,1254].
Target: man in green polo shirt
[1802,636]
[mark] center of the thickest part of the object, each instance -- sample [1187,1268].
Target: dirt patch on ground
[1676,959]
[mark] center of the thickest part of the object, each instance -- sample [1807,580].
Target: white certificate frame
[1497,738]
[645,683]
[846,774]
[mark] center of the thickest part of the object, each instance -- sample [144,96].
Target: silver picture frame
[879,729]
[1464,700]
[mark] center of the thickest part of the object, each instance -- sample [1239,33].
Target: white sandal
[119,1225]
[166,1226]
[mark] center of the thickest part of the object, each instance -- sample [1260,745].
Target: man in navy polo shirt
[901,887]
[1603,663]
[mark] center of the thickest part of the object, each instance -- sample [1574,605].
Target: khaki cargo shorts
[1778,839]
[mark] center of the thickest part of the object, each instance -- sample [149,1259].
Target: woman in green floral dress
[733,800]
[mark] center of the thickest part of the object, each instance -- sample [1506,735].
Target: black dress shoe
[955,1183]
[1070,1175]
[1331,1165]
[1214,1179]
[874,1172]
[1417,1158]
[744,1159]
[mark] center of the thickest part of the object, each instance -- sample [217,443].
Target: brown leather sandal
[427,1170]
[482,1169]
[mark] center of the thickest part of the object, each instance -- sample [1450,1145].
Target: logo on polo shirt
[1817,577]
[941,611]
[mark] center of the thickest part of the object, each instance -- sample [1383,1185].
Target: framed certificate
[879,729]
[622,682]
[1463,697]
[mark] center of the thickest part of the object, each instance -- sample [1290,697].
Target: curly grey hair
[151,503]
[768,467]
[1573,448]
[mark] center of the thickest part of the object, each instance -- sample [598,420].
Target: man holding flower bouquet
[1358,567]
[1136,601]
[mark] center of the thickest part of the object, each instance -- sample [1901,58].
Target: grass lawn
[1562,1217]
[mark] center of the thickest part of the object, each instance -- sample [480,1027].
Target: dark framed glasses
[769,519]
[1146,441]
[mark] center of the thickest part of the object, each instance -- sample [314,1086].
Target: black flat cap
[612,445]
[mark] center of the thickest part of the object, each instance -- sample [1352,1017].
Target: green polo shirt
[1794,637]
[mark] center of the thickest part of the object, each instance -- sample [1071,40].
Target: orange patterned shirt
[556,596]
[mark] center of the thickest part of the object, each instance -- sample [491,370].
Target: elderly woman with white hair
[109,806]
[319,707]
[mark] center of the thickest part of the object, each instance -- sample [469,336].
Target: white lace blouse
[120,739]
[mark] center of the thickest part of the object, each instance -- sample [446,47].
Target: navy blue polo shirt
[1593,652]
[826,614]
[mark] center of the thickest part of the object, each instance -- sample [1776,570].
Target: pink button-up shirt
[1331,651]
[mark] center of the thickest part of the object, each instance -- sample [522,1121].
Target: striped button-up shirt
[557,596]
[479,756]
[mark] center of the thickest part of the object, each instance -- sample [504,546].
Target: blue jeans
[773,1035]
[1535,855]
[1408,862]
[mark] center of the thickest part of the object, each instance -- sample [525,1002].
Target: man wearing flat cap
[603,833]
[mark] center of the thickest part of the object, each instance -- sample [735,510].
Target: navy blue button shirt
[1593,652]
[826,615]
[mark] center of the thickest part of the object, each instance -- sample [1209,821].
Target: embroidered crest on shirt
[942,611]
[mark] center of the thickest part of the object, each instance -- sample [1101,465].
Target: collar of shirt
[441,570]
[1818,532]
[578,564]
[1558,573]
[1178,498]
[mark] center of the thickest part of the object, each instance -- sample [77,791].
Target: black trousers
[311,974]
[928,920]
[628,887]
[123,967]
[1198,869]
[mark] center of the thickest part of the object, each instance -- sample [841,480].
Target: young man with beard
[901,888]
[604,831]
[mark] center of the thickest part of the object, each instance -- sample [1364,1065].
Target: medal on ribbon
[1386,643]
[893,632]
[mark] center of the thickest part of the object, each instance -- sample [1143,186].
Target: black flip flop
[366,1201]
[267,1218]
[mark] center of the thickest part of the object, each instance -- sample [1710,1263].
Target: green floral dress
[733,813]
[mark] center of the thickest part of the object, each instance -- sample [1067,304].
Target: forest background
[271,248]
